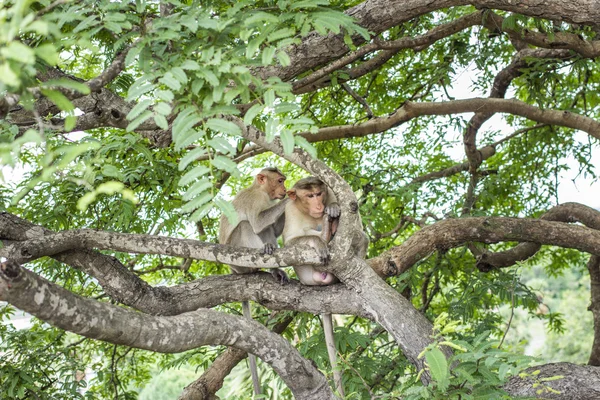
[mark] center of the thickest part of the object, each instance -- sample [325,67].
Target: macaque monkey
[261,220]
[307,221]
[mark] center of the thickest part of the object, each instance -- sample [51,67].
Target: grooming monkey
[261,221]
[311,218]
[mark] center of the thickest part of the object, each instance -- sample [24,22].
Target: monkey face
[276,187]
[273,183]
[310,201]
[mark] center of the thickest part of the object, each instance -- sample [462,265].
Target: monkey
[261,219]
[308,212]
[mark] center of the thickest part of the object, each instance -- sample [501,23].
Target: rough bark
[452,233]
[205,387]
[172,334]
[594,270]
[567,212]
[578,382]
[152,244]
[124,286]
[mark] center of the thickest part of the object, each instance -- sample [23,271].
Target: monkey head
[310,195]
[272,181]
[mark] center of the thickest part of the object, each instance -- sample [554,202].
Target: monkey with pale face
[311,217]
[309,201]
[260,222]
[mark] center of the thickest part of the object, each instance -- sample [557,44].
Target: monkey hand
[280,275]
[333,210]
[269,248]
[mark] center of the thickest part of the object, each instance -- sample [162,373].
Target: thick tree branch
[577,382]
[555,40]
[501,83]
[113,324]
[452,233]
[567,212]
[305,84]
[126,287]
[593,267]
[378,16]
[152,244]
[212,379]
[412,110]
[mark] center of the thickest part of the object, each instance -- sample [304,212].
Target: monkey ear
[292,194]
[261,178]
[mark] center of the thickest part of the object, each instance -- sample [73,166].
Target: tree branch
[126,287]
[113,324]
[452,233]
[211,380]
[567,212]
[152,244]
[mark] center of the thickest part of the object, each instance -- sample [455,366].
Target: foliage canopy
[450,126]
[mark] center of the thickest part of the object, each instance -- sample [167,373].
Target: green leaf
[111,171]
[40,27]
[228,210]
[286,107]
[438,365]
[133,53]
[252,113]
[284,59]
[59,99]
[189,22]
[86,23]
[138,121]
[269,97]
[190,65]
[190,157]
[48,53]
[138,109]
[221,145]
[161,121]
[252,47]
[197,188]
[308,4]
[267,55]
[280,34]
[196,202]
[209,76]
[220,125]
[163,108]
[138,88]
[70,122]
[19,52]
[165,95]
[179,74]
[287,140]
[201,212]
[169,80]
[271,129]
[225,164]
[185,121]
[259,18]
[193,174]
[193,136]
[8,76]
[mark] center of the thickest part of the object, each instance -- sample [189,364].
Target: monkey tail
[251,357]
[330,344]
